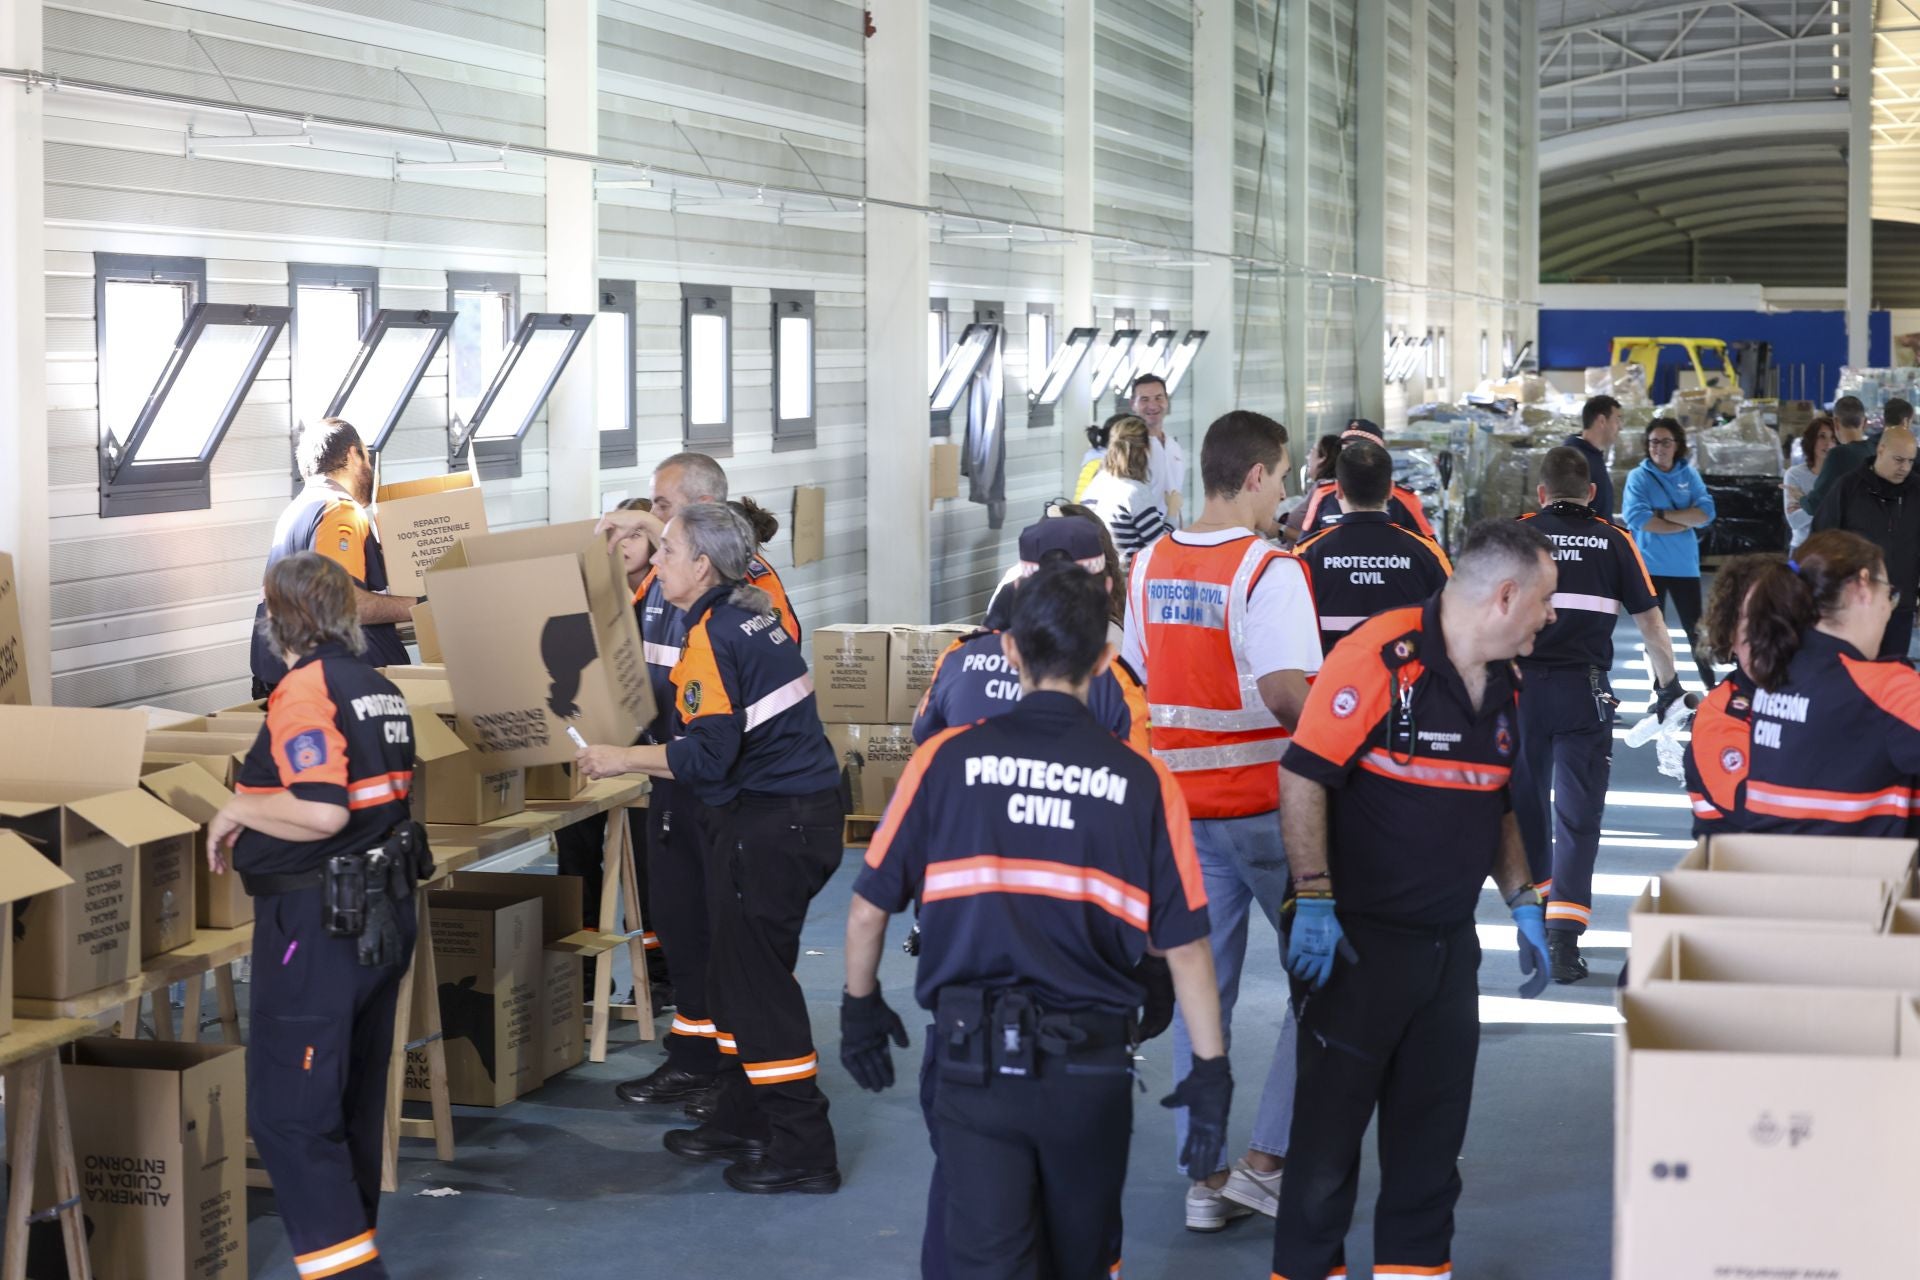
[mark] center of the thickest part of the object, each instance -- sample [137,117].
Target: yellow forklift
[1645,352]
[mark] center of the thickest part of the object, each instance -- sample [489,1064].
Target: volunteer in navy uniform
[1720,744]
[1836,735]
[329,516]
[676,880]
[1411,727]
[1324,507]
[974,679]
[1567,702]
[1047,858]
[748,749]
[1599,427]
[1366,564]
[328,776]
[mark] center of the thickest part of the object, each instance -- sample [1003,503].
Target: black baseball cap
[1074,535]
[1363,427]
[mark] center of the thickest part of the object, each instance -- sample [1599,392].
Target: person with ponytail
[1836,735]
[1721,743]
[758,783]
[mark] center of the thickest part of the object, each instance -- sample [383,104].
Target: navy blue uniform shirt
[973,681]
[1044,852]
[1601,577]
[1598,473]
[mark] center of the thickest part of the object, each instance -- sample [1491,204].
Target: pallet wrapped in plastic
[1746,446]
[1626,383]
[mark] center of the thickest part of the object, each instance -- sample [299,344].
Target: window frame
[135,268]
[1082,338]
[1175,370]
[712,438]
[620,447]
[459,282]
[385,321]
[499,456]
[802,432]
[128,487]
[364,281]
[941,309]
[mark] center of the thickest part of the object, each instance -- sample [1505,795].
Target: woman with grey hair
[747,745]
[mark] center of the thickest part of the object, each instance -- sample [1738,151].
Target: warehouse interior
[533,248]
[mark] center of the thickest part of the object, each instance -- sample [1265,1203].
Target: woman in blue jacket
[1666,501]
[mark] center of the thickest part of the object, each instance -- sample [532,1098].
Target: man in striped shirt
[1567,702]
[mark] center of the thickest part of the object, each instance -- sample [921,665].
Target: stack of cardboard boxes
[1767,1077]
[867,681]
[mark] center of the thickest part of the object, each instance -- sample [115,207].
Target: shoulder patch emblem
[1503,735]
[1403,649]
[1346,702]
[1738,705]
[1731,760]
[691,696]
[307,750]
[345,545]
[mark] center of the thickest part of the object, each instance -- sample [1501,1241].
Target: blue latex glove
[1316,938]
[1531,920]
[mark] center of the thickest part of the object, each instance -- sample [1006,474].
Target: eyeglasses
[1661,442]
[1893,592]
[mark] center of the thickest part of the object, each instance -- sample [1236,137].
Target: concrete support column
[1076,407]
[1370,211]
[1470,239]
[1297,192]
[1419,314]
[899,573]
[1527,328]
[573,253]
[24,518]
[1210,385]
[1859,177]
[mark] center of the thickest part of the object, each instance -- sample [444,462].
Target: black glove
[866,1024]
[1665,695]
[1156,1014]
[1207,1094]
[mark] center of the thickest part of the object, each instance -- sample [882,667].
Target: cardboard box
[1801,958]
[219,901]
[1700,901]
[1906,918]
[166,717]
[1844,856]
[562,1020]
[420,520]
[167,911]
[850,673]
[13,640]
[1766,1131]
[555,782]
[809,524]
[160,1137]
[487,953]
[416,671]
[23,873]
[451,782]
[231,722]
[912,654]
[426,634]
[872,757]
[1795,416]
[567,651]
[69,786]
[943,472]
[220,754]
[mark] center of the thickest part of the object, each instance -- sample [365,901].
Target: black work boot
[667,1083]
[1563,954]
[757,1175]
[709,1143]
[703,1108]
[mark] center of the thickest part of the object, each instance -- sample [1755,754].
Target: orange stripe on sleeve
[303,728]
[1446,565]
[1140,714]
[1722,747]
[905,792]
[1354,690]
[934,679]
[1320,494]
[698,689]
[1635,548]
[1893,686]
[1411,501]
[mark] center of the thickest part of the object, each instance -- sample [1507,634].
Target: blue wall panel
[1815,339]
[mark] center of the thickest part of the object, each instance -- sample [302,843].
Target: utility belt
[361,891]
[1598,685]
[989,1033]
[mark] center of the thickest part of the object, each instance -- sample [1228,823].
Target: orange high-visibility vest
[1210,726]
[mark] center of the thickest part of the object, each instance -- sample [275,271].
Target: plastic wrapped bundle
[1748,515]
[1626,383]
[1746,446]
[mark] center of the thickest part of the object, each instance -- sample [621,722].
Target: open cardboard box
[1766,1130]
[420,521]
[13,640]
[452,784]
[23,873]
[1874,859]
[537,630]
[1706,900]
[487,952]
[1796,958]
[70,787]
[219,901]
[562,1020]
[220,754]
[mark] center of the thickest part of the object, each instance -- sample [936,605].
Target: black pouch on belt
[1603,700]
[1014,1027]
[346,895]
[960,1021]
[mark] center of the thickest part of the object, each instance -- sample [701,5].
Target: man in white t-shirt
[1221,626]
[1167,466]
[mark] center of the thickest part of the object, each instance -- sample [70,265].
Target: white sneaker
[1209,1210]
[1248,1187]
